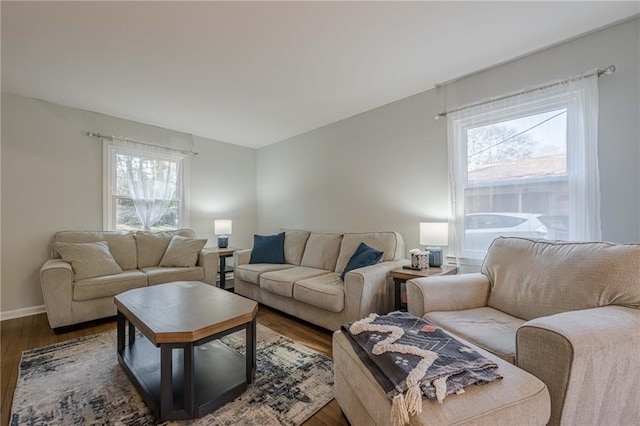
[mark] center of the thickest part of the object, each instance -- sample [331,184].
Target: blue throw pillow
[268,249]
[363,256]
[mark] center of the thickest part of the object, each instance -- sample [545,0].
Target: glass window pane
[143,171]
[516,177]
[529,147]
[127,219]
[170,219]
[153,182]
[126,216]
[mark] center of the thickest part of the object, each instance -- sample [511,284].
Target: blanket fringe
[399,414]
[413,400]
[441,388]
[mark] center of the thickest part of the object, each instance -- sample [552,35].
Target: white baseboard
[24,312]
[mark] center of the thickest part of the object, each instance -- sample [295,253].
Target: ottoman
[518,399]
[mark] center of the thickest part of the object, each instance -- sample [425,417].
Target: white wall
[382,170]
[52,181]
[387,168]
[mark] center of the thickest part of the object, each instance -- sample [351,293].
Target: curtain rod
[606,71]
[112,138]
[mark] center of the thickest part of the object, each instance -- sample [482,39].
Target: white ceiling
[254,73]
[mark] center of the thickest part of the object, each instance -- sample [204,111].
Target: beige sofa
[568,313]
[70,301]
[308,285]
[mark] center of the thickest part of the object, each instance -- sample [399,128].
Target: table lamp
[434,235]
[222,228]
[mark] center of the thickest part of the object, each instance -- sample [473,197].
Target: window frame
[489,116]
[109,198]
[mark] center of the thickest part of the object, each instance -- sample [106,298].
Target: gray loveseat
[70,300]
[308,285]
[568,313]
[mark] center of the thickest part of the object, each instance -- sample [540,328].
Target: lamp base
[223,241]
[435,256]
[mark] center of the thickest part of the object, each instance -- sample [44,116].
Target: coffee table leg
[166,381]
[132,333]
[251,351]
[120,321]
[189,386]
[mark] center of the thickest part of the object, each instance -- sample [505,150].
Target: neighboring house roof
[555,165]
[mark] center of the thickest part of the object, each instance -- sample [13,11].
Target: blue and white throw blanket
[409,357]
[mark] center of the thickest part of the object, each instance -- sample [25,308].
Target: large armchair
[568,313]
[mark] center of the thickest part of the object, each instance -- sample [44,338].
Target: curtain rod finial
[610,70]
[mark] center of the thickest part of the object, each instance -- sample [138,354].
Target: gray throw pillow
[182,252]
[151,246]
[89,260]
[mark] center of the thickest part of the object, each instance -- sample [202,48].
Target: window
[526,165]
[145,187]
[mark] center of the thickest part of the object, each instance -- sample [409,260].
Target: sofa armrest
[589,361]
[209,260]
[368,290]
[241,257]
[447,293]
[56,281]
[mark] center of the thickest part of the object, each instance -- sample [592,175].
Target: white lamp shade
[222,227]
[434,234]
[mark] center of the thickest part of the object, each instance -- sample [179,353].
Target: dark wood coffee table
[177,320]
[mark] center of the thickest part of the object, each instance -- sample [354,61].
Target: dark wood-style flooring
[20,334]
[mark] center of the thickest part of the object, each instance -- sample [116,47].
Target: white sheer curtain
[525,165]
[582,160]
[151,176]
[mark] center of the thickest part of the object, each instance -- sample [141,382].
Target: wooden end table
[401,276]
[176,319]
[223,253]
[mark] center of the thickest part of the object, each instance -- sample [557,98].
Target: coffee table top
[184,311]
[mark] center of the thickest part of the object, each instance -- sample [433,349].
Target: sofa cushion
[389,243]
[89,260]
[268,249]
[251,272]
[294,243]
[122,244]
[162,274]
[182,252]
[536,278]
[108,285]
[325,291]
[150,246]
[281,282]
[321,251]
[363,256]
[486,327]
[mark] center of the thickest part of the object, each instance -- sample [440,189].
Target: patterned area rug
[80,382]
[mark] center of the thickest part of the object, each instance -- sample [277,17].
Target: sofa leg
[74,327]
[65,329]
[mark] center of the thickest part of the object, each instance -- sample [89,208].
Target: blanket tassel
[413,400]
[399,413]
[441,388]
